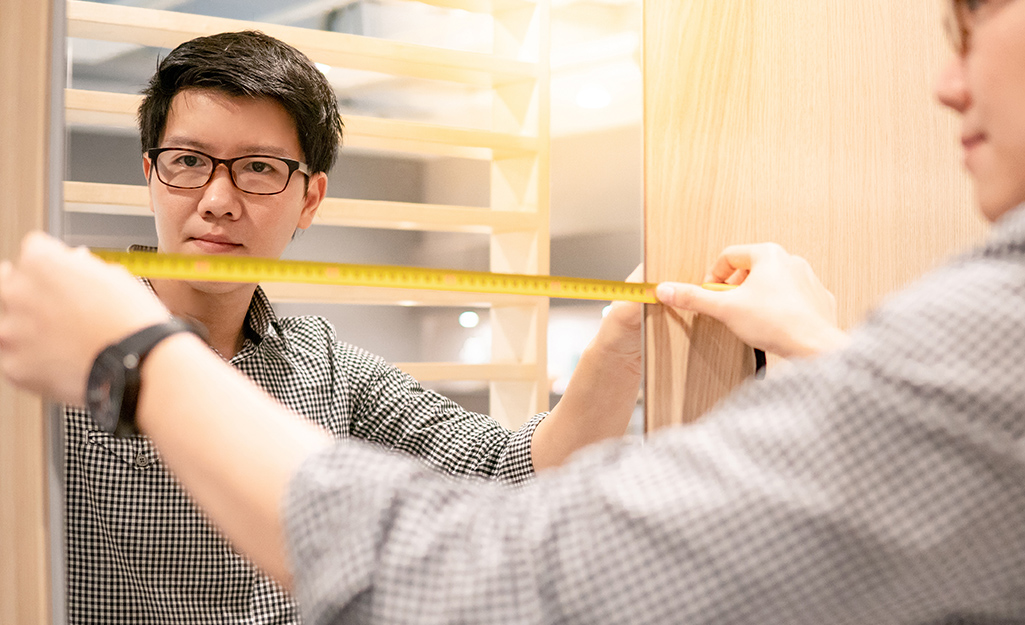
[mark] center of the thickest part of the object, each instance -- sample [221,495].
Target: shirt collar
[260,323]
[1009,229]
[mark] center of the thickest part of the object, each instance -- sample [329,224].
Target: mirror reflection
[401,192]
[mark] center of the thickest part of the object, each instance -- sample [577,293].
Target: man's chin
[218,288]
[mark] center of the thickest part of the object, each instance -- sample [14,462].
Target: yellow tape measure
[248,269]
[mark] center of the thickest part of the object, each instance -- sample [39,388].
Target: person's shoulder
[316,333]
[307,329]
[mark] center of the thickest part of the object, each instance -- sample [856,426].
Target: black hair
[248,64]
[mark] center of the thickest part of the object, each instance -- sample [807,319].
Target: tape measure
[249,269]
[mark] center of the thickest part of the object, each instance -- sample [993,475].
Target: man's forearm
[596,406]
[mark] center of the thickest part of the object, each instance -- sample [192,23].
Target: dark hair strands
[248,64]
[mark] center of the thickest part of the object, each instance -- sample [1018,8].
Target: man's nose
[221,198]
[952,87]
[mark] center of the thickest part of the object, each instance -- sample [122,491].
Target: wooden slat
[316,293]
[167,29]
[119,110]
[482,6]
[434,371]
[25,36]
[121,199]
[827,145]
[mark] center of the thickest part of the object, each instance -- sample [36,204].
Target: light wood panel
[805,122]
[520,182]
[24,134]
[320,293]
[434,371]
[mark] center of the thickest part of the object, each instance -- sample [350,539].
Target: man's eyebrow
[253,148]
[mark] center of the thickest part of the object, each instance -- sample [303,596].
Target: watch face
[106,390]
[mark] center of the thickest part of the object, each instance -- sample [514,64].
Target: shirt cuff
[517,464]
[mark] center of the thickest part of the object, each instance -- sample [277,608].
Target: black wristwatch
[113,389]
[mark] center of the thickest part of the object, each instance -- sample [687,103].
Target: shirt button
[142,461]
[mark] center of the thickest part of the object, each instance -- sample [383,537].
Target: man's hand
[620,333]
[780,305]
[58,309]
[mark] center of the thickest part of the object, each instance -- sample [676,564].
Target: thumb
[690,297]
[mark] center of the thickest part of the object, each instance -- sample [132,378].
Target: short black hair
[248,64]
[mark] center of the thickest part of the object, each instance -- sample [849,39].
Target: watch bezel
[112,391]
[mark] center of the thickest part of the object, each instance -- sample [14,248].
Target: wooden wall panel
[804,122]
[25,27]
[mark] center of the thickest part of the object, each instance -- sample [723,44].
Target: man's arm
[601,395]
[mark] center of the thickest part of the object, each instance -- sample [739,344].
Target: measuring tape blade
[249,269]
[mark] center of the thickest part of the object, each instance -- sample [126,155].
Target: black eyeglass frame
[293,166]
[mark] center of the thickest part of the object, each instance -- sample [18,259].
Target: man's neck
[222,313]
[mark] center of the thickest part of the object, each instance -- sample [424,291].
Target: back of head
[248,64]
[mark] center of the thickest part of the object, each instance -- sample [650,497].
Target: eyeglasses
[965,15]
[256,174]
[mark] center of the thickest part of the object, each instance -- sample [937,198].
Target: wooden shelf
[167,29]
[280,292]
[125,199]
[437,371]
[481,6]
[98,108]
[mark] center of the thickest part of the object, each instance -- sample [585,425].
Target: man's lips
[215,244]
[970,141]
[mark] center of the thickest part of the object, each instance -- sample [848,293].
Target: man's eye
[189,160]
[262,167]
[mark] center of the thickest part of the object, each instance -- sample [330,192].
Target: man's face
[987,87]
[219,218]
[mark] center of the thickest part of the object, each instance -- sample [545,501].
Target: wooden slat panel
[435,371]
[827,144]
[25,38]
[120,199]
[167,29]
[119,110]
[318,293]
[482,6]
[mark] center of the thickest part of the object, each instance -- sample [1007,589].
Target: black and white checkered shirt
[140,552]
[881,484]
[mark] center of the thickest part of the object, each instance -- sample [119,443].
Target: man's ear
[147,168]
[316,190]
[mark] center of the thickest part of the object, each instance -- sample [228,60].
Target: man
[138,550]
[883,482]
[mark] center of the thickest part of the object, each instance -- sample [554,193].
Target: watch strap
[132,351]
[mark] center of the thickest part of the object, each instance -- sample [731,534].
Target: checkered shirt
[140,552]
[881,484]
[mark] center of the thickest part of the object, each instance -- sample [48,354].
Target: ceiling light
[469,319]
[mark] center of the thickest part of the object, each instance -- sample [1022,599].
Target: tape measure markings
[249,269]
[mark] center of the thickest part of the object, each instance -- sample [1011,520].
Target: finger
[733,258]
[689,297]
[738,276]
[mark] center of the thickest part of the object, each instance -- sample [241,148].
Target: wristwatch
[113,389]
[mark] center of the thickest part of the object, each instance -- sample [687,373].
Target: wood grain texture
[807,123]
[24,127]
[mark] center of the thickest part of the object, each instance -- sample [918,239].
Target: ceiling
[595,58]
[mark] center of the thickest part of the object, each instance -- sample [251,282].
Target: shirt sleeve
[391,408]
[881,484]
